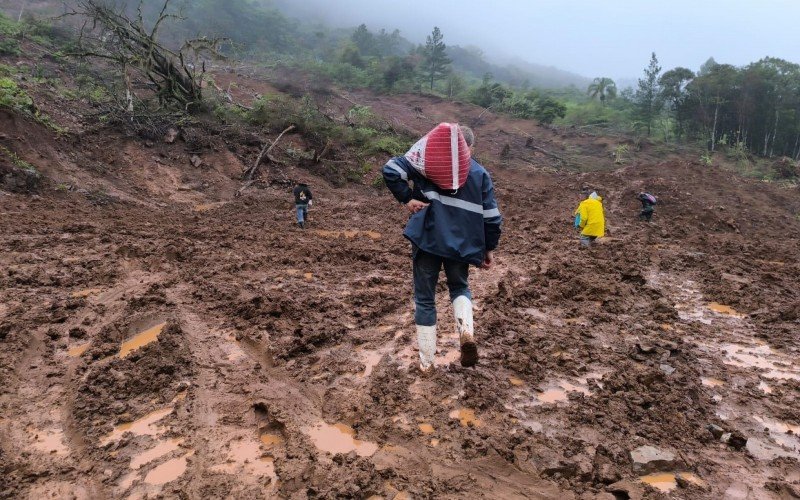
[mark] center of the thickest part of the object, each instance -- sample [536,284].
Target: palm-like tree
[603,88]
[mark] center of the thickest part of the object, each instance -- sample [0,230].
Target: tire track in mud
[734,359]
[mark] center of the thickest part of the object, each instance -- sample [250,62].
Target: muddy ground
[160,337]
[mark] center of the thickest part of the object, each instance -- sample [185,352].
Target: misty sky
[609,38]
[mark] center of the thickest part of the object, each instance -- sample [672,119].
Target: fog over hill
[582,37]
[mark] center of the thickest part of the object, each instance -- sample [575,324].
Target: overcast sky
[607,38]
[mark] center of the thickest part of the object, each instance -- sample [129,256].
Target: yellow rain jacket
[593,219]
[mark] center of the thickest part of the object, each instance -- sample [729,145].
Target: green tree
[648,96]
[455,85]
[602,88]
[673,91]
[435,57]
[363,40]
[548,109]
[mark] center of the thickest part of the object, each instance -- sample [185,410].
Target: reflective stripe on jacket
[460,225]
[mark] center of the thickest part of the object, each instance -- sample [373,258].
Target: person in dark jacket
[302,200]
[450,228]
[648,206]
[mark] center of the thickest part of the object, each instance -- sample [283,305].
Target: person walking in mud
[590,218]
[454,223]
[302,200]
[648,206]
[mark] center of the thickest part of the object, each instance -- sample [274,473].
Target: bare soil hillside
[162,337]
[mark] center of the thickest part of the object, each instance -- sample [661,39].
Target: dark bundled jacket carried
[302,195]
[460,225]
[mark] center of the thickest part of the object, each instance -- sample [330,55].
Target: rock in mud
[735,440]
[647,459]
[716,431]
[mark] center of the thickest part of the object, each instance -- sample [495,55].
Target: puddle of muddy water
[161,449]
[712,382]
[783,433]
[349,234]
[559,392]
[271,440]
[772,365]
[85,293]
[205,207]
[466,417]
[370,360]
[763,450]
[426,428]
[339,438]
[144,426]
[140,340]
[725,310]
[168,471]
[448,358]
[663,482]
[50,442]
[77,351]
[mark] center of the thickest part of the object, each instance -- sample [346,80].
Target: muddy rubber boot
[426,340]
[301,225]
[462,309]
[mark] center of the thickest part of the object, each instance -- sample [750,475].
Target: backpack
[652,199]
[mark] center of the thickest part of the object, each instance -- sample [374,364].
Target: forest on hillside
[750,111]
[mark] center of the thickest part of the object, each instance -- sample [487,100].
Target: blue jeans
[426,276]
[302,212]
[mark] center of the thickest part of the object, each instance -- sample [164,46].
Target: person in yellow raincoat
[590,219]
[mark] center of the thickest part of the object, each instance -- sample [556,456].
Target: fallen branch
[251,172]
[529,144]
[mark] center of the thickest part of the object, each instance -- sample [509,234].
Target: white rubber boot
[462,309]
[426,340]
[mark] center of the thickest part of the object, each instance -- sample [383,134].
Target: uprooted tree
[110,34]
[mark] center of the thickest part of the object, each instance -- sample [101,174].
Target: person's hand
[415,206]
[310,202]
[488,260]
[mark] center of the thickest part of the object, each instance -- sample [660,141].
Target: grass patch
[17,161]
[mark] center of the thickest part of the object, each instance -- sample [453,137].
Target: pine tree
[648,97]
[435,57]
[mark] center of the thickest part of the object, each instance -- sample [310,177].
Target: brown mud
[188,343]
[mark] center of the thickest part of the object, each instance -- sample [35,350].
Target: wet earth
[215,350]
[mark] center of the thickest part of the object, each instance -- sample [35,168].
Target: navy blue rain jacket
[459,225]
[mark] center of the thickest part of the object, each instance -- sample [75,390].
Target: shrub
[14,97]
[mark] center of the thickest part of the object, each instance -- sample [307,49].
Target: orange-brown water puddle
[339,438]
[466,417]
[426,428]
[144,426]
[161,449]
[168,471]
[349,234]
[667,481]
[712,382]
[78,350]
[723,309]
[140,340]
[85,293]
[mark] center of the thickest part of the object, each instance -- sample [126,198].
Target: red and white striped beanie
[442,156]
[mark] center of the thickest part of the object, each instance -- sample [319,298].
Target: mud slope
[204,350]
[160,336]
